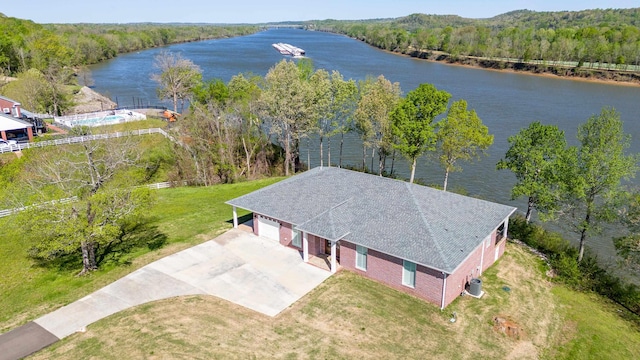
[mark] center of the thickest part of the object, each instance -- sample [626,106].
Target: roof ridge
[329,213]
[426,224]
[291,178]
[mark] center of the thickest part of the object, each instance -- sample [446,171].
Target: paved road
[237,266]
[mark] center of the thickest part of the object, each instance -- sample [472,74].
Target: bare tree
[177,77]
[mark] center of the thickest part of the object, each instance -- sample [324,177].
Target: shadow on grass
[135,238]
[241,219]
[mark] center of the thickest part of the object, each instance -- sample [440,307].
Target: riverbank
[573,73]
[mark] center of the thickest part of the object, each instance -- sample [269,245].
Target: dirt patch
[597,75]
[508,327]
[87,101]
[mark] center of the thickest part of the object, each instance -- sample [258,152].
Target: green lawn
[186,216]
[347,317]
[351,317]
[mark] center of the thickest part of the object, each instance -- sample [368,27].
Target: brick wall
[388,270]
[286,233]
[5,104]
[316,245]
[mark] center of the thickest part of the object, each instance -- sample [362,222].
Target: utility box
[475,287]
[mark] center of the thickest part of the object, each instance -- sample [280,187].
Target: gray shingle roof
[427,226]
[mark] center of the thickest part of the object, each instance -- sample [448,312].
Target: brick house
[416,239]
[11,123]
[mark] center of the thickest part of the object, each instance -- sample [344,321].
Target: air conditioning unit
[6,110]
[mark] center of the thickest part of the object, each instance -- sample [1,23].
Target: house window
[361,257]
[296,240]
[408,273]
[500,233]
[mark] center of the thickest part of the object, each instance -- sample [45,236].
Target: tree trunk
[321,153]
[341,144]
[175,102]
[373,153]
[287,157]
[393,161]
[446,179]
[88,257]
[309,154]
[364,157]
[248,157]
[329,151]
[583,232]
[381,162]
[413,170]
[527,216]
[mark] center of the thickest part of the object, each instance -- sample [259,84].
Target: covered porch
[315,250]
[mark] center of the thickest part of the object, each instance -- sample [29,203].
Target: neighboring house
[417,239]
[14,128]
[10,107]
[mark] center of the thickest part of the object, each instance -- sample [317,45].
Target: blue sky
[258,11]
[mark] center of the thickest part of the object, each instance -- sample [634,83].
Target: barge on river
[286,49]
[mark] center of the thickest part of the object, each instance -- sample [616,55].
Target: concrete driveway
[248,270]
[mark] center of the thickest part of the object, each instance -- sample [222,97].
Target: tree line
[604,38]
[254,124]
[232,128]
[25,45]
[47,60]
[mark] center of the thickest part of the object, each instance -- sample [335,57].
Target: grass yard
[350,317]
[186,216]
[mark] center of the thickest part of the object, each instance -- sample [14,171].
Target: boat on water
[287,49]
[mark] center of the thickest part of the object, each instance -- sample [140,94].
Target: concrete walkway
[248,270]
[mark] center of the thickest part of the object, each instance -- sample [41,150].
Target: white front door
[268,228]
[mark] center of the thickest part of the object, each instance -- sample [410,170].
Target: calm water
[506,102]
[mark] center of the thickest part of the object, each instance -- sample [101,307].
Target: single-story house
[420,240]
[11,127]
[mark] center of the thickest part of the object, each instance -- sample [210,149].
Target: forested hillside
[606,39]
[25,44]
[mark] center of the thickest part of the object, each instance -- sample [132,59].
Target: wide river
[505,101]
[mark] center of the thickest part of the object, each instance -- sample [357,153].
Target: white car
[8,145]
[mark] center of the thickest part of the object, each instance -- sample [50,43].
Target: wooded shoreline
[570,73]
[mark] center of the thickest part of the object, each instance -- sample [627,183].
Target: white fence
[87,138]
[100,118]
[156,186]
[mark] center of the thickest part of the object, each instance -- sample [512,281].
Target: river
[505,101]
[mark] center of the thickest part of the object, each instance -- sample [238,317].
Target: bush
[537,237]
[568,270]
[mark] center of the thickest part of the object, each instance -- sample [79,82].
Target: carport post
[305,247]
[333,256]
[235,218]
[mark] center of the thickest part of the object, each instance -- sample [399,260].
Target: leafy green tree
[177,78]
[100,176]
[628,246]
[378,97]
[30,89]
[288,107]
[343,102]
[320,83]
[533,157]
[461,136]
[412,122]
[592,174]
[244,94]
